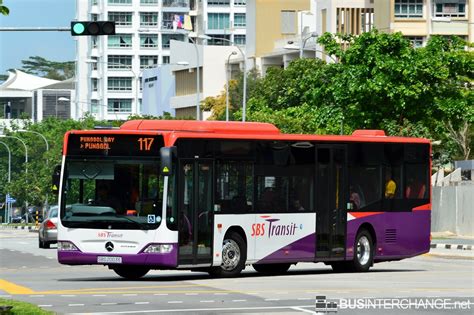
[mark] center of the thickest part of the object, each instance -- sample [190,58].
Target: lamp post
[303,41]
[198,85]
[227,86]
[291,47]
[26,164]
[7,207]
[244,97]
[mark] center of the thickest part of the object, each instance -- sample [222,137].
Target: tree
[48,69]
[3,9]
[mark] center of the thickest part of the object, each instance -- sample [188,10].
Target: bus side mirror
[167,155]
[55,179]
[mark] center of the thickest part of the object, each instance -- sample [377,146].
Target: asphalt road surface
[429,284]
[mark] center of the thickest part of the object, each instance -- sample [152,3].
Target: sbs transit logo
[272,228]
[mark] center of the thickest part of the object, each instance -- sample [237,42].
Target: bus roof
[249,130]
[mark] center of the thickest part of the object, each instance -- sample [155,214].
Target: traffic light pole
[35,29]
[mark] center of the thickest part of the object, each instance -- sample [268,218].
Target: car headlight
[158,249]
[67,246]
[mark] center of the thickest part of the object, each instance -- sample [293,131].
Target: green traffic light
[79,28]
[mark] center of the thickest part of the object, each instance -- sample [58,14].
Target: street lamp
[39,134]
[291,46]
[244,98]
[7,208]
[227,86]
[198,86]
[303,41]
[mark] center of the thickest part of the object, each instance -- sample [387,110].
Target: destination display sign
[114,145]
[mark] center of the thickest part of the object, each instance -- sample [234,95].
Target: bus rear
[111,201]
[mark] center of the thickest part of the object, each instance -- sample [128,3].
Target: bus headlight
[158,249]
[67,246]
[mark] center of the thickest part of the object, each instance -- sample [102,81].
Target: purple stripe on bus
[152,260]
[300,250]
[398,234]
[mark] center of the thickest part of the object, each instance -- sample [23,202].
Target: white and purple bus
[217,196]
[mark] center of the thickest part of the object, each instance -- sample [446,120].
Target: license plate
[109,260]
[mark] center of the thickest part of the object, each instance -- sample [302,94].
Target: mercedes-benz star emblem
[109,246]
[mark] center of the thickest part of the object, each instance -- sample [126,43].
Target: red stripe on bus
[359,215]
[426,207]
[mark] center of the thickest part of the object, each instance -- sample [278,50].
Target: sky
[55,46]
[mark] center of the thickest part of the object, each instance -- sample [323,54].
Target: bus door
[195,202]
[331,170]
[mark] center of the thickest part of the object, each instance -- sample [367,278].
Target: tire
[363,252]
[271,269]
[234,256]
[341,266]
[130,272]
[40,243]
[46,244]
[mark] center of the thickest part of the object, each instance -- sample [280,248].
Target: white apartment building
[109,68]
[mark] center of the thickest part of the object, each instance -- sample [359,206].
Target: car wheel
[131,272]
[273,269]
[40,243]
[234,256]
[46,244]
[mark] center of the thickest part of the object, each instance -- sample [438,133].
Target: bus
[216,197]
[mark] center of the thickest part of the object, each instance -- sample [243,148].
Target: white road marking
[36,295]
[239,300]
[221,293]
[45,305]
[129,294]
[207,301]
[175,302]
[142,303]
[108,303]
[195,310]
[75,304]
[160,294]
[191,294]
[99,295]
[68,295]
[272,299]
[303,310]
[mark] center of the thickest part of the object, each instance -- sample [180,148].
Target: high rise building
[109,68]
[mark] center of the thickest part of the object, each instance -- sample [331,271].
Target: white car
[48,232]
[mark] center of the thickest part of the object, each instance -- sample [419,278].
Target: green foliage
[48,69]
[19,307]
[4,9]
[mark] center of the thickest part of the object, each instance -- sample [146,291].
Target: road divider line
[12,288]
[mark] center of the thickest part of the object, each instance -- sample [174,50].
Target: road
[31,274]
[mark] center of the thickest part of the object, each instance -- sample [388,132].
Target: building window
[239,40]
[213,3]
[218,21]
[416,41]
[119,41]
[149,41]
[121,18]
[94,106]
[93,63]
[120,2]
[94,17]
[219,40]
[288,22]
[148,19]
[94,41]
[176,3]
[455,8]
[119,105]
[119,84]
[93,2]
[95,84]
[146,61]
[409,8]
[240,2]
[166,38]
[166,59]
[239,20]
[172,20]
[148,2]
[119,62]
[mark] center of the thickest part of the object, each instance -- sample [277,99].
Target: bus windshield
[112,194]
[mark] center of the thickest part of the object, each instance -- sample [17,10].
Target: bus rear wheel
[130,272]
[234,255]
[273,269]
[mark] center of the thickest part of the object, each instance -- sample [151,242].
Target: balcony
[176,4]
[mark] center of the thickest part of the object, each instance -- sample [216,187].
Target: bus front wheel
[234,255]
[130,272]
[363,255]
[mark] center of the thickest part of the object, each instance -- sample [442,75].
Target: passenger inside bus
[105,197]
[390,186]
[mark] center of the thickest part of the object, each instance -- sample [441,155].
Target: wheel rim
[230,255]
[363,250]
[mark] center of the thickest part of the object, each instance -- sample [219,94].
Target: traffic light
[92,28]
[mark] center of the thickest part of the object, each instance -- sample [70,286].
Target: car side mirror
[167,155]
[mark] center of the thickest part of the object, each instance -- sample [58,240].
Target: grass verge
[21,308]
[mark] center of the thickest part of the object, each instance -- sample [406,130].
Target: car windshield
[112,194]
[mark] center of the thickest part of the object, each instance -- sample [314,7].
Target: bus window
[234,187]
